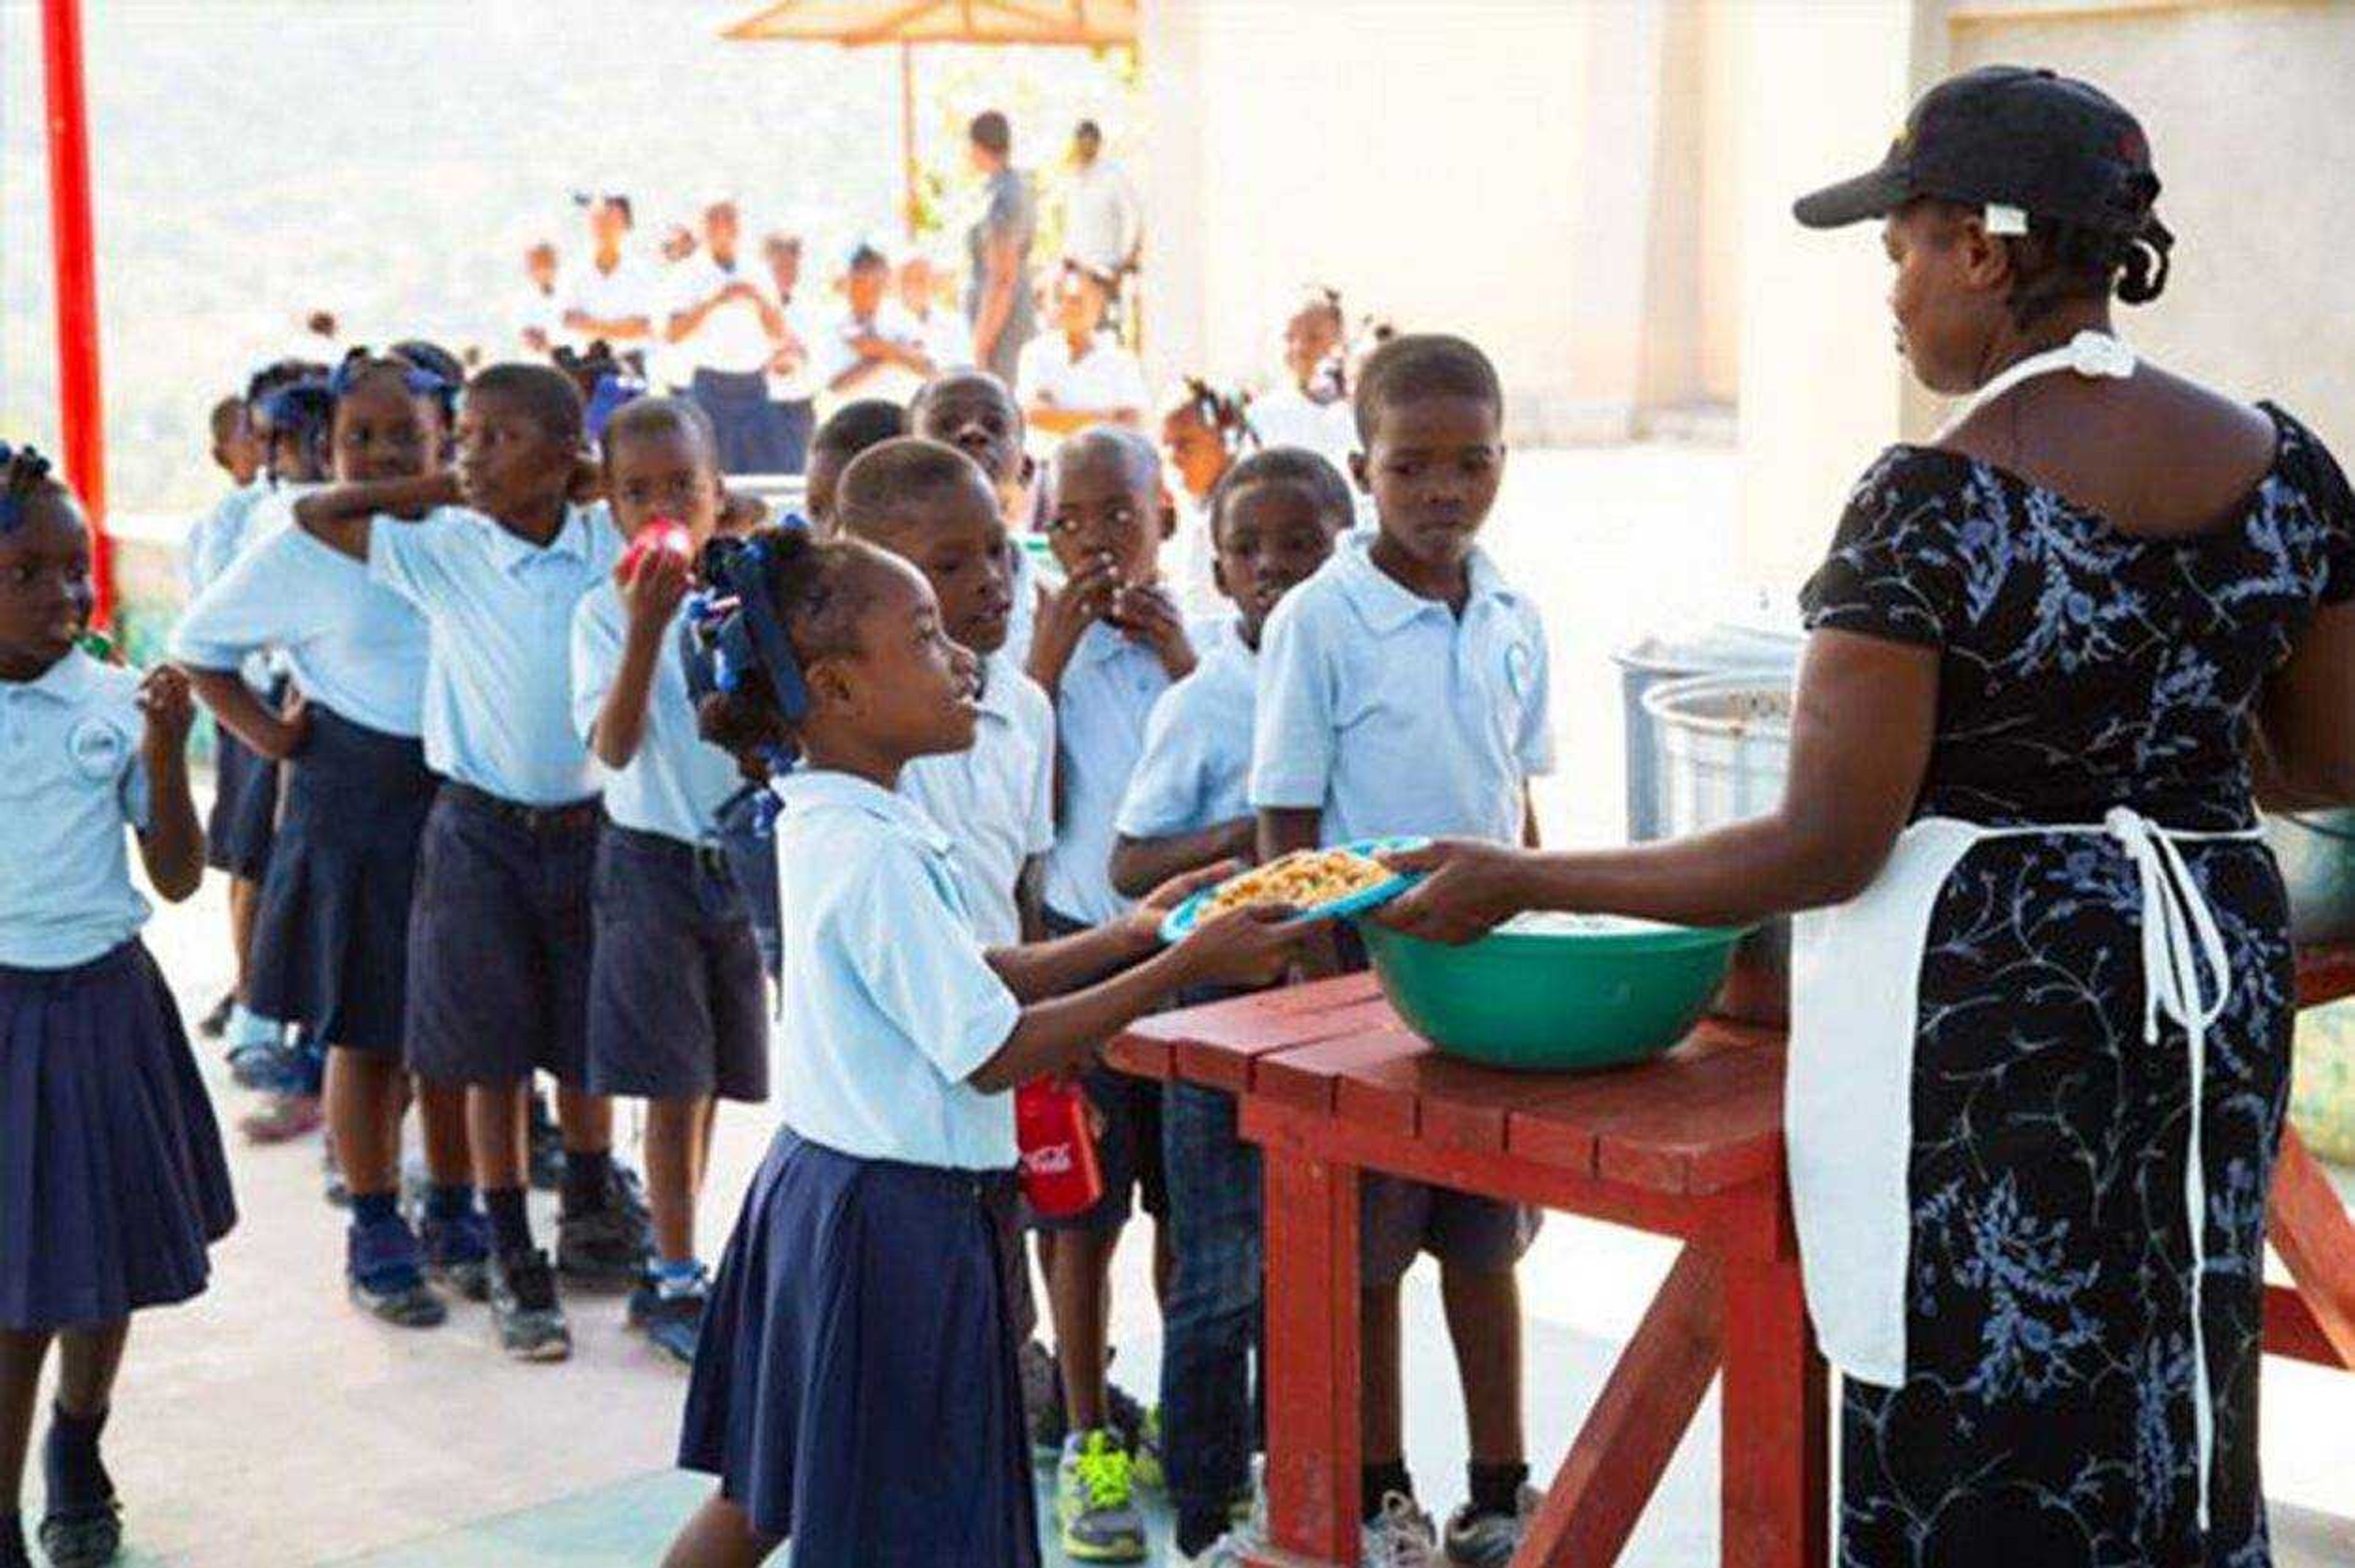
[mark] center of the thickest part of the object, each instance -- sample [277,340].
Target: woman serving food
[2042,1008]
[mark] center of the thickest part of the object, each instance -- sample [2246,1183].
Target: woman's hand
[1467,890]
[1248,947]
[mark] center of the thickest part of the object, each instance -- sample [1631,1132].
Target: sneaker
[1144,1453]
[84,1537]
[1401,1536]
[1126,1416]
[524,1306]
[14,1553]
[215,1024]
[458,1253]
[285,1118]
[674,1323]
[1094,1500]
[609,1245]
[546,1147]
[266,1066]
[380,1269]
[1042,1400]
[1490,1540]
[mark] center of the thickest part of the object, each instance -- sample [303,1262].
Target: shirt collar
[67,681]
[512,552]
[805,788]
[1001,676]
[1102,643]
[1385,604]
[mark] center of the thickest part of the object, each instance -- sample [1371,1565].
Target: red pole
[73,249]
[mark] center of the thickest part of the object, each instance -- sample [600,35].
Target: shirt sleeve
[922,965]
[1534,746]
[596,655]
[1040,835]
[1165,792]
[407,559]
[1294,747]
[1893,571]
[257,603]
[2327,491]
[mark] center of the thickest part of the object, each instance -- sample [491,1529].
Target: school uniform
[1289,416]
[996,797]
[112,1182]
[1195,775]
[864,1294]
[1108,690]
[242,821]
[675,981]
[793,395]
[1102,376]
[725,363]
[1022,621]
[499,932]
[331,947]
[1388,713]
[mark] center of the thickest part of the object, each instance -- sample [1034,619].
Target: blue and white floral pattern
[2047,1419]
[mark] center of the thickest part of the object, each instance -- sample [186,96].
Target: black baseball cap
[2045,143]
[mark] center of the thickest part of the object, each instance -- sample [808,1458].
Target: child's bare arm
[651,594]
[1140,865]
[340,515]
[172,846]
[246,716]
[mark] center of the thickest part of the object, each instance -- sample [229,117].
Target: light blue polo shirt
[1196,770]
[1022,620]
[676,782]
[353,646]
[70,779]
[1108,692]
[996,797]
[1390,714]
[498,609]
[222,534]
[886,1005]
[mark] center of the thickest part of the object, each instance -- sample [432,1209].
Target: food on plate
[1304,879]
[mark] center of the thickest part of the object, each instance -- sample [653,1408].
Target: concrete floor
[269,1423]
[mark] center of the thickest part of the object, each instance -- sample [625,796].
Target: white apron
[1855,1006]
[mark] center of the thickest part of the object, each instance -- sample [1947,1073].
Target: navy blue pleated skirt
[240,826]
[112,1183]
[331,932]
[855,1388]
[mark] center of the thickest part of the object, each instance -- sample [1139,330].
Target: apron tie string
[2180,938]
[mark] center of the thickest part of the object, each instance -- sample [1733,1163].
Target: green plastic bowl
[1550,993]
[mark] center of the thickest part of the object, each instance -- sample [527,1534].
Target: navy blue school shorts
[112,1182]
[331,929]
[499,940]
[856,1386]
[677,999]
[1398,1218]
[1128,1144]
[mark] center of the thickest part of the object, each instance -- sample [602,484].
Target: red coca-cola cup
[1061,1177]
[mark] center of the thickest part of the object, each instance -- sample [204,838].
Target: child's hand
[1082,600]
[1252,946]
[651,589]
[1149,615]
[169,709]
[1180,888]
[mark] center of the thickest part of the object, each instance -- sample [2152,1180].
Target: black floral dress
[2047,1420]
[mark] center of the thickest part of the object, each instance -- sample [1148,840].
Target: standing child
[972,411]
[500,929]
[848,432]
[1274,517]
[675,986]
[1403,690]
[331,929]
[864,1294]
[113,1184]
[1108,645]
[1203,433]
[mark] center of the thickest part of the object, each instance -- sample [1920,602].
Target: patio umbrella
[862,23]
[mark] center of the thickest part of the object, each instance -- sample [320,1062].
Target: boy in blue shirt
[500,942]
[1404,690]
[1273,518]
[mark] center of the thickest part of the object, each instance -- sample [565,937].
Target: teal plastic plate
[1181,921]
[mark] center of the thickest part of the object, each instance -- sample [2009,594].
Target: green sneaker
[1094,1500]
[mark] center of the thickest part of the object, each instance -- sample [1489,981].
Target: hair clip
[2005,220]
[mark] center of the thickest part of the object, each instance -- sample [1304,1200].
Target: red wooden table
[1690,1146]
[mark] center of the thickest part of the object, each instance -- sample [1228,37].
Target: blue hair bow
[419,381]
[22,469]
[734,628]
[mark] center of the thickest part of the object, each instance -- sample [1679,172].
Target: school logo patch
[97,749]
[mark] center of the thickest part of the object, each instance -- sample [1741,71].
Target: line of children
[113,1180]
[676,993]
[866,1290]
[1273,518]
[331,927]
[501,930]
[1403,690]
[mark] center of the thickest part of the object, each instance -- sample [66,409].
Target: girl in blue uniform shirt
[331,932]
[675,984]
[500,934]
[864,1297]
[112,1183]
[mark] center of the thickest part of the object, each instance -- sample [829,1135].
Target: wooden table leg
[1637,1421]
[2312,1232]
[1312,1391]
[1776,1456]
